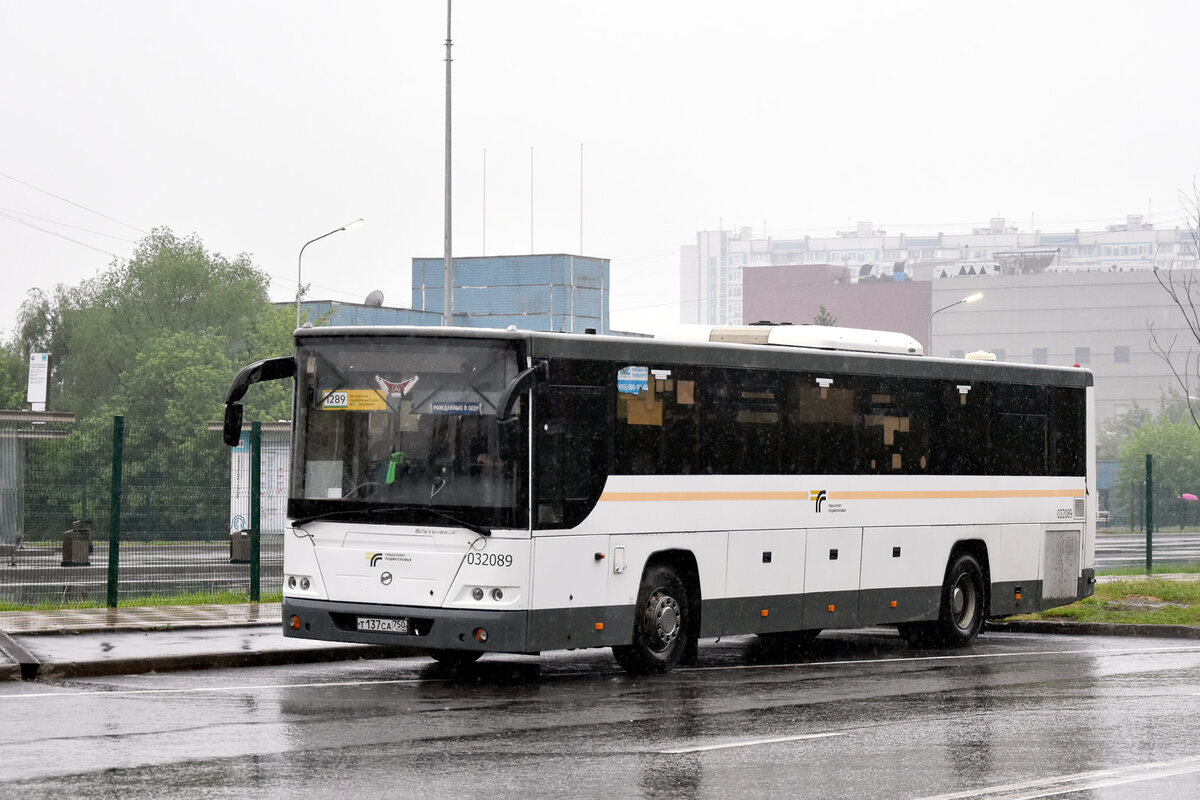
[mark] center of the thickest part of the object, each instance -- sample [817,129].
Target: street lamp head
[970,299]
[300,261]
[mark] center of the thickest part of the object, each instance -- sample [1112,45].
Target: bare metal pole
[483,249]
[581,198]
[531,200]
[448,255]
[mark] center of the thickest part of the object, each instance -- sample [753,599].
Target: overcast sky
[260,125]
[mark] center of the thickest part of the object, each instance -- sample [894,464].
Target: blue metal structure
[552,292]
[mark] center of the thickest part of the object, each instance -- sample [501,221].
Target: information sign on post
[39,377]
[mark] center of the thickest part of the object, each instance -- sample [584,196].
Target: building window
[998,352]
[1121,354]
[958,354]
[1041,355]
[1083,355]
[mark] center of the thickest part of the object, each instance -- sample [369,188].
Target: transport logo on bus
[394,389]
[817,496]
[403,560]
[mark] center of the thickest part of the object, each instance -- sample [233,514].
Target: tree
[169,286]
[1115,432]
[13,377]
[1183,287]
[1175,446]
[825,317]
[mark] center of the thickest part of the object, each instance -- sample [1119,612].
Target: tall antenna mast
[448,255]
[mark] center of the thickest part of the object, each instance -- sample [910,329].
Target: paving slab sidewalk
[94,642]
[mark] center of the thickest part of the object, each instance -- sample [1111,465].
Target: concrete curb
[1095,629]
[22,663]
[268,658]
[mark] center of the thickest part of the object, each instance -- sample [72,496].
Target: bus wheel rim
[665,618]
[962,602]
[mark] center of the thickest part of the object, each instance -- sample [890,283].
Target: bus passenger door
[571,446]
[832,564]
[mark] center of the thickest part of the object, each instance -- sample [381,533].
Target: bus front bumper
[407,626]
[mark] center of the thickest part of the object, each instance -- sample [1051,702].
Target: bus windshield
[404,430]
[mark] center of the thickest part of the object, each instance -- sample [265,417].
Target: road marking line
[965,656]
[749,743]
[1077,782]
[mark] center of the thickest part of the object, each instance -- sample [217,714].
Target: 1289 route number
[489,559]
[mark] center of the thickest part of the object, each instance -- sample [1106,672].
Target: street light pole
[448,254]
[300,261]
[970,299]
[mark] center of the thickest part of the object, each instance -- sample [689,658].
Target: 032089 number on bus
[489,559]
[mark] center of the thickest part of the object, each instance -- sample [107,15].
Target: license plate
[383,625]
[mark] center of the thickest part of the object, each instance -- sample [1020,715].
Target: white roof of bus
[817,336]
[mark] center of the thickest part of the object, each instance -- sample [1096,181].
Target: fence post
[114,515]
[255,510]
[1149,514]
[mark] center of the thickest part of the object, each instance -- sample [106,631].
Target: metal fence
[115,514]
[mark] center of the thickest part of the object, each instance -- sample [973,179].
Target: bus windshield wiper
[373,510]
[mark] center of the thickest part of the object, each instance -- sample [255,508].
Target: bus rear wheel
[661,624]
[964,601]
[961,612]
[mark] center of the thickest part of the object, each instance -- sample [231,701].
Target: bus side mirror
[232,431]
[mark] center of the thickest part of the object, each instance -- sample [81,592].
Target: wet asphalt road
[859,715]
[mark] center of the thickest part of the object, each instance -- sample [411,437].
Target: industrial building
[1088,298]
[541,292]
[711,269]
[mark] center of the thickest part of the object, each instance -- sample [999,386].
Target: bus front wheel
[661,624]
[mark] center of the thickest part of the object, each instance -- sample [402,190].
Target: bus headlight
[497,594]
[477,593]
[301,582]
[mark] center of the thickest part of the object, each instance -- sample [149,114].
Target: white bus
[471,491]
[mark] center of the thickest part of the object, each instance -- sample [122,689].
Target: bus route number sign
[335,400]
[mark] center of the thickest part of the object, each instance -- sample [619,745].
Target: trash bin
[239,547]
[77,544]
